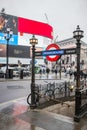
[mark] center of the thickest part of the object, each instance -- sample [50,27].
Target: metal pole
[77,93]
[7,47]
[7,36]
[33,79]
[78,64]
[60,68]
[78,34]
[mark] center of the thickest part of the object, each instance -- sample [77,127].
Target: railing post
[65,88]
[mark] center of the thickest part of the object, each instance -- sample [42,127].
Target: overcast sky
[63,15]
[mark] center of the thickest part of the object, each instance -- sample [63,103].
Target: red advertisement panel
[34,27]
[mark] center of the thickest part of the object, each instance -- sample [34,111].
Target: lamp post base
[33,106]
[76,118]
[33,99]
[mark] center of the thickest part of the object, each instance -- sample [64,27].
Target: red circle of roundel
[56,57]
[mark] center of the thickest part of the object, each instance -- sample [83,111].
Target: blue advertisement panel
[12,41]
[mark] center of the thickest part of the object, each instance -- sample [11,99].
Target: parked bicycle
[48,91]
[37,96]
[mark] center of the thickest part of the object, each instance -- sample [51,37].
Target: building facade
[72,58]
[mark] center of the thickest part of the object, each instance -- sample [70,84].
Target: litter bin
[10,73]
[21,74]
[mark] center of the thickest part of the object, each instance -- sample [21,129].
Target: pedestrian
[75,73]
[70,72]
[47,71]
[40,72]
[67,69]
[56,73]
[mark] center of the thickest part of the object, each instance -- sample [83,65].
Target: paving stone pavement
[19,116]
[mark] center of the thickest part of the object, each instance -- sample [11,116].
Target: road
[10,90]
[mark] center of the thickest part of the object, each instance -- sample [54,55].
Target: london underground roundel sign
[52,47]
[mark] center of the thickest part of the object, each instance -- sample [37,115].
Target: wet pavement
[9,119]
[18,116]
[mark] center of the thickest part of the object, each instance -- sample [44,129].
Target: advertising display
[22,25]
[34,27]
[15,51]
[19,51]
[22,31]
[9,21]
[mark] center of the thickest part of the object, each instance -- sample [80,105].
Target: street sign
[70,51]
[38,53]
[56,52]
[50,48]
[52,52]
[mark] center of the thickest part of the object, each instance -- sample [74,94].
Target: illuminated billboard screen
[15,51]
[22,25]
[19,51]
[34,27]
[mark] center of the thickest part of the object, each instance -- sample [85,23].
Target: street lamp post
[33,42]
[7,35]
[78,34]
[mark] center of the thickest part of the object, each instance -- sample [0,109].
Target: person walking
[47,71]
[40,72]
[75,73]
[56,73]
[71,72]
